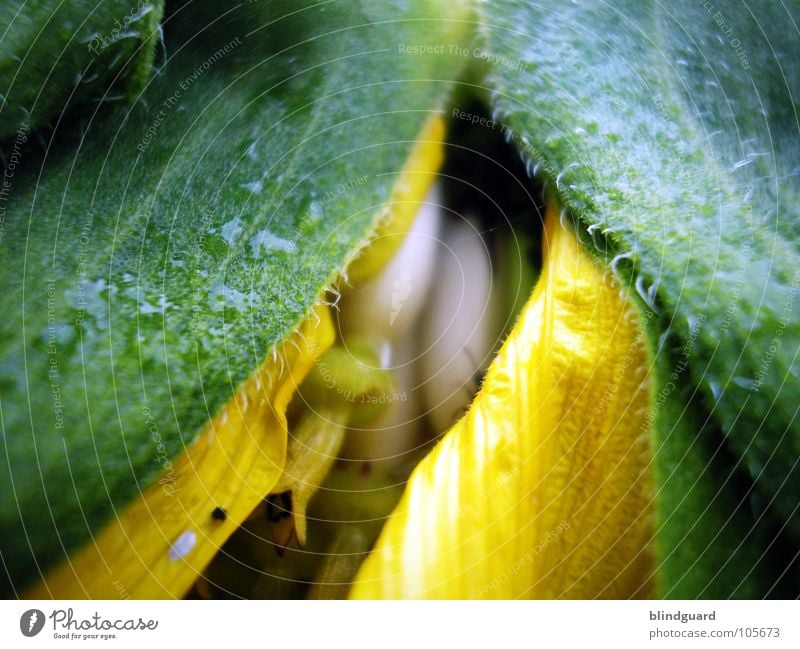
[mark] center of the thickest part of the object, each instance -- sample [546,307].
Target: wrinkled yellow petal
[542,490]
[158,546]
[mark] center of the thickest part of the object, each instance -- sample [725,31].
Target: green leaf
[159,255]
[671,131]
[58,57]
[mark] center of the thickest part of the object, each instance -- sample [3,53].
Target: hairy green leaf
[159,255]
[58,57]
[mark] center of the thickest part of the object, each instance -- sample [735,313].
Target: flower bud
[387,305]
[457,334]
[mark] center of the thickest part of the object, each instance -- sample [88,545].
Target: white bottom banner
[401,625]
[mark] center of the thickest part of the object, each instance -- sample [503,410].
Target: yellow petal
[542,490]
[159,545]
[408,193]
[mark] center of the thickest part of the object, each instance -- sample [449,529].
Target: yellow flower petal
[542,490]
[394,222]
[159,545]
